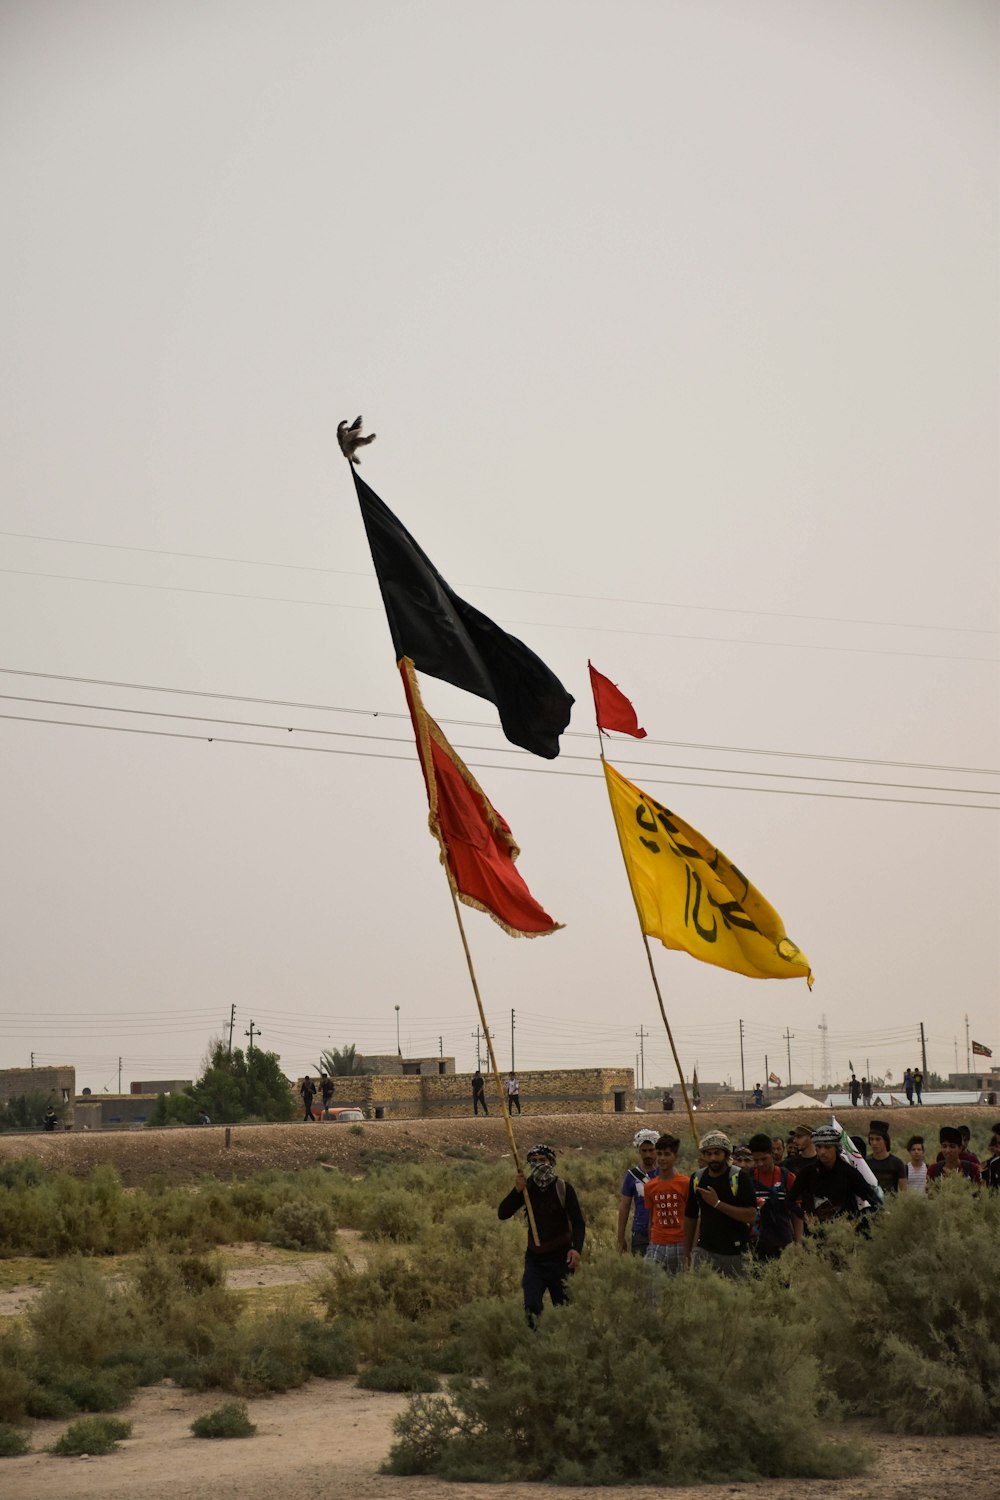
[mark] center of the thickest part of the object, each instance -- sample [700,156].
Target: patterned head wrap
[542,1163]
[826,1135]
[715,1140]
[642,1136]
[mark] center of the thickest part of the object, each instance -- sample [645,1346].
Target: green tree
[234,1086]
[27,1111]
[342,1062]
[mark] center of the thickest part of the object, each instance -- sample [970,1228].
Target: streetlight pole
[399,1050]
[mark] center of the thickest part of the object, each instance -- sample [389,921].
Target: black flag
[447,638]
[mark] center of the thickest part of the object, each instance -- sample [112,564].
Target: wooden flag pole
[649,960]
[501,1091]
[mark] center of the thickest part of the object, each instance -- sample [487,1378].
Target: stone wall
[449,1096]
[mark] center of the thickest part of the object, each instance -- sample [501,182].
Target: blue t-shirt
[632,1188]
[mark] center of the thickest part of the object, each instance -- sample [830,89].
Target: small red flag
[477,847]
[613,709]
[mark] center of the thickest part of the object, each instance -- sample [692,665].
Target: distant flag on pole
[613,709]
[691,897]
[773,1078]
[477,847]
[448,638]
[695,1091]
[979,1050]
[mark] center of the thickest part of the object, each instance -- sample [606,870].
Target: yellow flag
[690,896]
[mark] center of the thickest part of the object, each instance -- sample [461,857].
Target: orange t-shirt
[666,1199]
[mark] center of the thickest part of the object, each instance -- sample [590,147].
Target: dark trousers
[308,1109]
[477,1100]
[513,1102]
[544,1273]
[640,1243]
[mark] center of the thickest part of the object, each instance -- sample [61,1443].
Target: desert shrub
[916,1302]
[15,1384]
[393,1215]
[398,1375]
[92,1435]
[79,1315]
[229,1421]
[299,1224]
[12,1442]
[329,1349]
[357,1129]
[49,1403]
[635,1341]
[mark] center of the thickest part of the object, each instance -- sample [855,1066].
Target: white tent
[797,1101]
[891,1099]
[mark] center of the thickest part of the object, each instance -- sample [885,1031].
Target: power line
[254,562]
[668,635]
[153,713]
[773,791]
[148,687]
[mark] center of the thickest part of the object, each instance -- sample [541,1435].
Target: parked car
[343,1114]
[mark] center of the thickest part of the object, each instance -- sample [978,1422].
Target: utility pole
[440,1046]
[512,1039]
[477,1034]
[642,1034]
[32,1059]
[119,1075]
[968,1059]
[399,1050]
[788,1043]
[767,1079]
[232,1023]
[923,1048]
[254,1031]
[743,1071]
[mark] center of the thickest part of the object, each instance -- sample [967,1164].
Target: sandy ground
[329,1438]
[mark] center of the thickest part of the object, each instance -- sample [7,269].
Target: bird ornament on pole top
[351,439]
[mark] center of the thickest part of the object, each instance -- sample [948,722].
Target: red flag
[477,847]
[613,709]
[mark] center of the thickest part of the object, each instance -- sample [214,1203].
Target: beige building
[58,1084]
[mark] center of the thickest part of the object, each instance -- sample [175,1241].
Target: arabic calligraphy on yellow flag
[690,896]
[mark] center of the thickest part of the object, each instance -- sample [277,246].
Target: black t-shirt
[888,1172]
[720,1233]
[560,1227]
[829,1191]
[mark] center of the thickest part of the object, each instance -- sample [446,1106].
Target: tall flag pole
[613,710]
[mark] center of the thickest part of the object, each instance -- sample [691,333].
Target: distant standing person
[758,1096]
[513,1095]
[908,1085]
[308,1091]
[631,1200]
[855,1092]
[49,1119]
[549,1263]
[478,1093]
[326,1089]
[918,1084]
[866,1092]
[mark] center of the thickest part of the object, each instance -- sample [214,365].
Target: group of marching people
[738,1206]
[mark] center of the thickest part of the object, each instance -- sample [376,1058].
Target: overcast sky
[678,325]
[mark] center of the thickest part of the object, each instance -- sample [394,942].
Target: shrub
[635,1342]
[398,1375]
[915,1301]
[299,1224]
[229,1421]
[92,1435]
[357,1129]
[12,1442]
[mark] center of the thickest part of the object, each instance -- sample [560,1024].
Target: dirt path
[329,1438]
